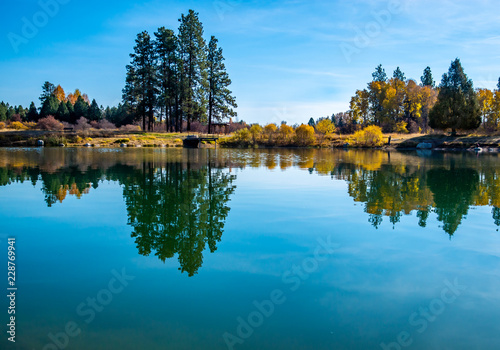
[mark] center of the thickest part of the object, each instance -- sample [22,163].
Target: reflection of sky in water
[363,294]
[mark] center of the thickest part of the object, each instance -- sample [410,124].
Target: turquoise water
[251,249]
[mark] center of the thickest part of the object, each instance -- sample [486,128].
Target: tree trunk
[143,121]
[210,103]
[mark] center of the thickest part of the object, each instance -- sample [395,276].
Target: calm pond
[251,249]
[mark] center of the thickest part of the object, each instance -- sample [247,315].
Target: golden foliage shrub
[17,126]
[371,136]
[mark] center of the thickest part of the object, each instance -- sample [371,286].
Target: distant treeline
[402,105]
[64,108]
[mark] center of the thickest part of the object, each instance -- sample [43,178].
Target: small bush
[401,127]
[30,125]
[17,126]
[371,136]
[54,141]
[82,124]
[2,125]
[122,141]
[130,128]
[105,124]
[49,123]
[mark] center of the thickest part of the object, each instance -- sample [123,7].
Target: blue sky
[289,60]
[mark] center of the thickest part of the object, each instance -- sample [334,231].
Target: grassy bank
[97,138]
[116,138]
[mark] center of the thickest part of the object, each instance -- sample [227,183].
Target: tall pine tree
[220,100]
[140,89]
[166,46]
[94,113]
[379,74]
[193,70]
[32,113]
[47,90]
[457,106]
[427,79]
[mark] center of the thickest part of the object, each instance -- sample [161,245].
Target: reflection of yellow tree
[386,192]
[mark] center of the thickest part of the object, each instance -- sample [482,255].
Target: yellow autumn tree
[304,135]
[285,134]
[325,127]
[494,117]
[59,93]
[270,131]
[255,131]
[359,107]
[485,98]
[72,97]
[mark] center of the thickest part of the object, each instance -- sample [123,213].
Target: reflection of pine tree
[496,215]
[375,220]
[453,194]
[178,211]
[423,215]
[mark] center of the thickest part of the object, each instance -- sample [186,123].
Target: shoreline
[117,139]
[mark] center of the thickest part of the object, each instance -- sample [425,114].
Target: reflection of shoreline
[390,184]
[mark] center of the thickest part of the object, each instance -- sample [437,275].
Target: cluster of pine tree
[178,77]
[65,108]
[68,108]
[17,113]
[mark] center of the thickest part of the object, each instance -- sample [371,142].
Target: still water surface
[252,249]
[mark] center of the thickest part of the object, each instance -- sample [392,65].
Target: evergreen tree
[220,100]
[498,85]
[398,74]
[63,112]
[47,90]
[94,112]
[71,112]
[10,112]
[457,106]
[49,106]
[311,122]
[166,46]
[140,89]
[3,112]
[193,70]
[379,74]
[21,112]
[427,79]
[32,113]
[81,109]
